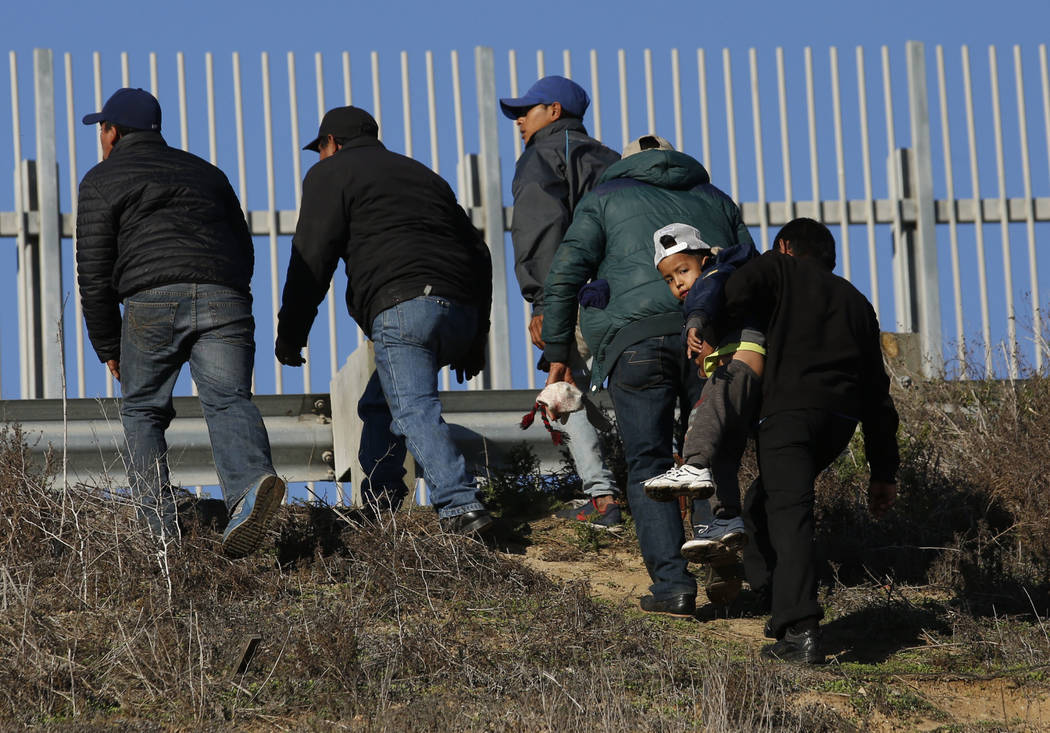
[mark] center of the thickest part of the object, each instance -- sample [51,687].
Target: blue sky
[391,27]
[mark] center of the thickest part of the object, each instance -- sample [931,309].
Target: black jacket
[823,347]
[152,215]
[399,229]
[560,164]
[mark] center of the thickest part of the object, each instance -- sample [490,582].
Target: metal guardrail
[88,433]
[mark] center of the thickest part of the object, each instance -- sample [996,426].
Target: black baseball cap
[346,123]
[134,108]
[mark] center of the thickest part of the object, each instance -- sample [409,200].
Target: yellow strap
[711,360]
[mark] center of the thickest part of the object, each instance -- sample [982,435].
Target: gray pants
[586,453]
[718,428]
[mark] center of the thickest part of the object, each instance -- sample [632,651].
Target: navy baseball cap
[573,99]
[345,123]
[132,108]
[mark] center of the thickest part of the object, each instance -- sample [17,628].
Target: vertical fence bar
[785,141]
[377,112]
[96,63]
[526,308]
[348,100]
[125,73]
[840,164]
[566,62]
[406,105]
[457,104]
[49,242]
[676,88]
[760,163]
[625,120]
[975,183]
[811,126]
[953,233]
[271,211]
[1004,214]
[512,63]
[20,226]
[1029,209]
[297,188]
[902,301]
[869,199]
[209,74]
[650,102]
[927,289]
[492,203]
[727,80]
[184,127]
[78,311]
[596,101]
[541,67]
[435,164]
[153,81]
[705,120]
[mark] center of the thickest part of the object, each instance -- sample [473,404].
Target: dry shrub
[363,624]
[973,512]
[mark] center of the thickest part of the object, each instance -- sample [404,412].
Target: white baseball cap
[678,237]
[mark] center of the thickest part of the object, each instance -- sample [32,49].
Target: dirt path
[874,701]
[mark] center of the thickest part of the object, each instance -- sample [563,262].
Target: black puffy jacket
[152,215]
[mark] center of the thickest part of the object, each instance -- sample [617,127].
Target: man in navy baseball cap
[135,109]
[549,90]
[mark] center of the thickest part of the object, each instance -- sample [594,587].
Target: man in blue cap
[162,232]
[560,164]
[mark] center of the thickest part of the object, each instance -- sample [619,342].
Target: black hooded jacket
[399,229]
[152,215]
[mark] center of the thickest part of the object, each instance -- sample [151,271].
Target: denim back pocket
[232,321]
[150,326]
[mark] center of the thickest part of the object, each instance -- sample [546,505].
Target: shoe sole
[246,538]
[481,526]
[670,493]
[724,580]
[795,658]
[709,551]
[615,528]
[672,614]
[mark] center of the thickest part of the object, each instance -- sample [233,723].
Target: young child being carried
[721,421]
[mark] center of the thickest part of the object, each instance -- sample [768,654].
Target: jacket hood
[663,168]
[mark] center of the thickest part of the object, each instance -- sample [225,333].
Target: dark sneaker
[589,514]
[713,539]
[803,646]
[251,517]
[478,522]
[681,606]
[722,577]
[684,480]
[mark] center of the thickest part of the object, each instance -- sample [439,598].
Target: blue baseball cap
[134,108]
[573,99]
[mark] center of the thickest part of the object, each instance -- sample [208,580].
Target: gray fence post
[926,282]
[50,351]
[498,370]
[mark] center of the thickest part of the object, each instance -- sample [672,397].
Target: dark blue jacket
[705,302]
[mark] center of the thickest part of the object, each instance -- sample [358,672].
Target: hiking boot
[251,517]
[711,540]
[589,514]
[477,522]
[722,577]
[680,606]
[802,646]
[684,480]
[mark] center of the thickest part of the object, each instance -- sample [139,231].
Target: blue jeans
[648,381]
[211,327]
[413,340]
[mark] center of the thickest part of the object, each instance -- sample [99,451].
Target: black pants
[793,448]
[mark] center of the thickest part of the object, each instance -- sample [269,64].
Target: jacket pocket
[151,326]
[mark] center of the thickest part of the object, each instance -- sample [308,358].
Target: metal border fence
[897,210]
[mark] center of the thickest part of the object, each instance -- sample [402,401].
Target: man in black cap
[419,283]
[162,231]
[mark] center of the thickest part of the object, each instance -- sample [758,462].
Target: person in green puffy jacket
[635,338]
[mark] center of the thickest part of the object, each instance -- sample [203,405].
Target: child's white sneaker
[685,480]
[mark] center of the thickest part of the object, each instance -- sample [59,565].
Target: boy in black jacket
[823,374]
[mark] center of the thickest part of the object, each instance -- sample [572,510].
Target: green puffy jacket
[611,238]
